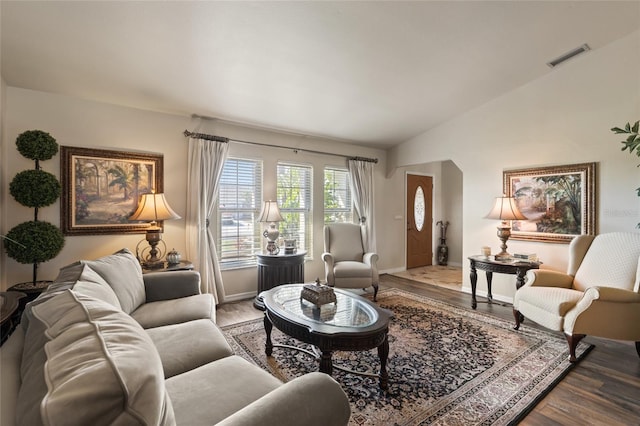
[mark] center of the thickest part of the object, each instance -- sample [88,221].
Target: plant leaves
[635,127]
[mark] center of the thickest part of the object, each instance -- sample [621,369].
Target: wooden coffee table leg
[268,347]
[326,365]
[383,354]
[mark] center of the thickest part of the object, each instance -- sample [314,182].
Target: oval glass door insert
[418,208]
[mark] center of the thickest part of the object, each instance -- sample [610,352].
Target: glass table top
[348,311]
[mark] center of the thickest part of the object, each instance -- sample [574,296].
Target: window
[337,196]
[239,204]
[294,189]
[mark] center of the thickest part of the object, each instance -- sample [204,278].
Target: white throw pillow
[123,273]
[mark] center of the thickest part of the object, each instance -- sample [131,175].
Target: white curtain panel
[361,183]
[206,160]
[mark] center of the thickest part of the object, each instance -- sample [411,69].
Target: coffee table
[351,324]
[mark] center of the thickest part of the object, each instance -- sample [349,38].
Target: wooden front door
[419,221]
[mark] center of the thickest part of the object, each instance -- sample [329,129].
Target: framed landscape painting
[101,188]
[559,201]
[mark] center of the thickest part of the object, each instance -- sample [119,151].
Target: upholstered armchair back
[344,242]
[611,260]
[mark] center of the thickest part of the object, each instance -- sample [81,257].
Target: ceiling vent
[570,54]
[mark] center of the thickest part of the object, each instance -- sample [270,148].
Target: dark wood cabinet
[274,270]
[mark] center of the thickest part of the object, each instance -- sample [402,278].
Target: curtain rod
[295,150]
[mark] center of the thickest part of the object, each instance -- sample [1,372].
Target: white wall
[76,122]
[3,162]
[562,118]
[447,205]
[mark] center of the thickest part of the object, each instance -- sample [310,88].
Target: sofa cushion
[188,345]
[123,273]
[96,348]
[174,311]
[241,383]
[81,278]
[547,304]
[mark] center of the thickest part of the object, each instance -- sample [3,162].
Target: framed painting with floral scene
[101,189]
[559,201]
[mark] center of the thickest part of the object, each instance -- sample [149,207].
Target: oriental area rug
[447,365]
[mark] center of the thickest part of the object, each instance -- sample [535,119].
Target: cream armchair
[345,262]
[598,295]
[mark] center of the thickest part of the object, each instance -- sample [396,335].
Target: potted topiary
[632,142]
[34,241]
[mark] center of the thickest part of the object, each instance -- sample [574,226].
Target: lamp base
[502,256]
[272,248]
[504,232]
[271,234]
[153,265]
[151,254]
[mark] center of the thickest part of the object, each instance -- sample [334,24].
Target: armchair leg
[375,293]
[573,340]
[518,317]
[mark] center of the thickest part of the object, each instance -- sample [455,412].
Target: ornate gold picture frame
[560,201]
[101,188]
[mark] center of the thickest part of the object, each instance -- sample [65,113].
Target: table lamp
[271,213]
[152,207]
[505,209]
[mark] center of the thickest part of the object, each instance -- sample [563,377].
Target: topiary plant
[35,241]
[632,142]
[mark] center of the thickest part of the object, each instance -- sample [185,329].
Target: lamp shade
[153,207]
[505,208]
[270,212]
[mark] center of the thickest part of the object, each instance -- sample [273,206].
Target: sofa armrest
[548,278]
[314,399]
[171,285]
[606,312]
[328,268]
[370,258]
[611,294]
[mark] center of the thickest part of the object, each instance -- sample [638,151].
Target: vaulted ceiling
[370,73]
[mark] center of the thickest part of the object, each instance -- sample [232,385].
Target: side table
[30,289]
[515,267]
[277,269]
[183,265]
[9,313]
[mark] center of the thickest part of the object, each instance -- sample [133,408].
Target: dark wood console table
[9,313]
[277,269]
[515,267]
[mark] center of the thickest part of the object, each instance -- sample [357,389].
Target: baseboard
[240,296]
[403,269]
[498,297]
[391,271]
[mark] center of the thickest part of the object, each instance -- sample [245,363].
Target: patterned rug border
[461,393]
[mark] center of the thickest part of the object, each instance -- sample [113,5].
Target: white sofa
[106,344]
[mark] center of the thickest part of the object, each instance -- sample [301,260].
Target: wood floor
[603,389]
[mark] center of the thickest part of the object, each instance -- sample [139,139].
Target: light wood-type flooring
[603,389]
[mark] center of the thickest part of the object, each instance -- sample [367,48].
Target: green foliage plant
[35,241]
[631,143]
